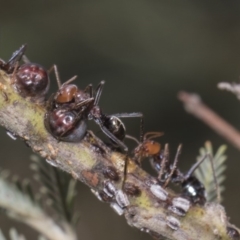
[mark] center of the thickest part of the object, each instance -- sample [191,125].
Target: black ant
[83,105]
[192,188]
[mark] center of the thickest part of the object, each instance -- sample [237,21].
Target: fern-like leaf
[58,186]
[14,235]
[205,175]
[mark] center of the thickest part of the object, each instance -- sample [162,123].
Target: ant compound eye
[31,80]
[66,93]
[65,125]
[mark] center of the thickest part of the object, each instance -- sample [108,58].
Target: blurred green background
[146,51]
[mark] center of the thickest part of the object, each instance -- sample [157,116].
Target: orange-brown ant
[192,188]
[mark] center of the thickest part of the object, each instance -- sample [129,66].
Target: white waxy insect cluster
[117,208]
[159,192]
[179,206]
[122,199]
[109,189]
[173,222]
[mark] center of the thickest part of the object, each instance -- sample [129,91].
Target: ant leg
[132,138]
[127,115]
[113,138]
[87,101]
[99,90]
[194,167]
[122,145]
[13,79]
[89,89]
[174,166]
[163,162]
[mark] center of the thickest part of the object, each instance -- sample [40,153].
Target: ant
[83,105]
[30,79]
[168,172]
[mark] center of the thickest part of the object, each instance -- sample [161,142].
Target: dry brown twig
[195,106]
[87,162]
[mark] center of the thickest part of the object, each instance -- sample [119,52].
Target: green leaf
[205,174]
[58,186]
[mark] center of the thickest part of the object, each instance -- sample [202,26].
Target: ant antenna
[152,135]
[164,161]
[174,166]
[98,92]
[59,83]
[132,138]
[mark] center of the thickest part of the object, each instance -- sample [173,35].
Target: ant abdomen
[65,125]
[31,80]
[115,126]
[194,190]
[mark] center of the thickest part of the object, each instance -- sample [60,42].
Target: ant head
[31,80]
[65,125]
[66,93]
[147,148]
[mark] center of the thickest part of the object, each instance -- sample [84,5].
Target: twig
[194,105]
[88,160]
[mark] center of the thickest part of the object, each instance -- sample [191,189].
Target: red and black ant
[30,79]
[168,172]
[82,105]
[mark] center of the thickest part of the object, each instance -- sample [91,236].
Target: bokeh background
[146,51]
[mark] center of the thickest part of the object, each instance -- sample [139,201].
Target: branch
[88,160]
[195,106]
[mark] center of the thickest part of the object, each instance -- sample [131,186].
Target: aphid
[117,208]
[9,66]
[159,192]
[109,188]
[122,199]
[131,189]
[180,206]
[111,173]
[192,188]
[173,222]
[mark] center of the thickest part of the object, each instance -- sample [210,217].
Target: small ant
[84,106]
[192,188]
